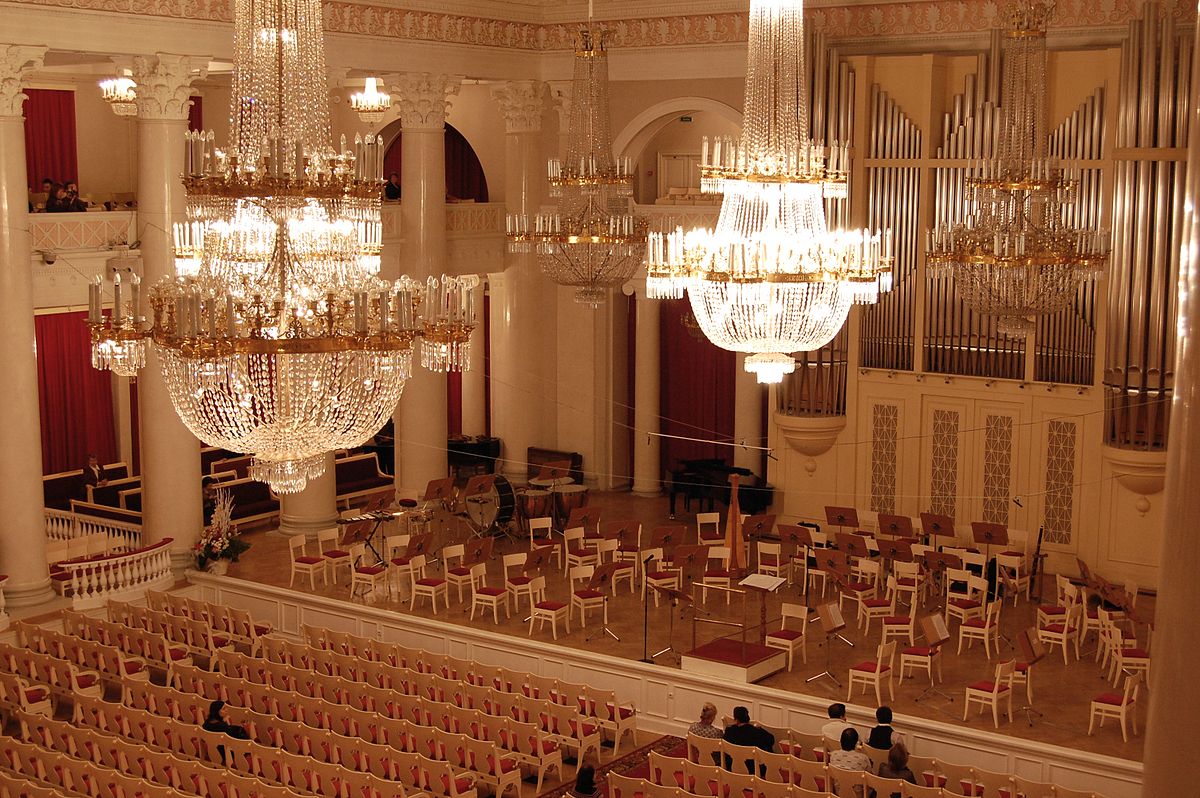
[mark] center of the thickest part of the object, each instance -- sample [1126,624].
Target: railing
[66,525]
[60,232]
[96,580]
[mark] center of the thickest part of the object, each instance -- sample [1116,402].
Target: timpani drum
[535,503]
[566,499]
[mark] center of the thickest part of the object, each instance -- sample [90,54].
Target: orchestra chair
[897,625]
[792,639]
[583,597]
[541,536]
[873,673]
[1013,568]
[578,553]
[1062,633]
[716,573]
[517,584]
[1066,595]
[483,597]
[921,658]
[329,544]
[659,572]
[1122,706]
[771,561]
[1126,658]
[708,529]
[431,586]
[965,595]
[544,610]
[910,581]
[986,629]
[985,693]
[305,564]
[872,607]
[368,577]
[457,573]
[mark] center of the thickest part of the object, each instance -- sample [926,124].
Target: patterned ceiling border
[858,21]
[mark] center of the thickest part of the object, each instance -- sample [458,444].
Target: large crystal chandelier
[276,337]
[592,240]
[771,278]
[1016,254]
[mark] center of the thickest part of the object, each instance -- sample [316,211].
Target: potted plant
[220,543]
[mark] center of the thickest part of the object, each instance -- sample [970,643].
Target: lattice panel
[885,421]
[997,468]
[943,479]
[1060,481]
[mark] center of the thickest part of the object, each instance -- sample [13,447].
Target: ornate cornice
[164,84]
[522,103]
[423,98]
[16,61]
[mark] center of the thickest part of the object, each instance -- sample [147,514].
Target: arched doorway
[465,179]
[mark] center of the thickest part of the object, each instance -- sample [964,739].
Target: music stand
[896,550]
[989,534]
[832,623]
[834,563]
[841,516]
[757,526]
[602,581]
[933,524]
[937,634]
[898,526]
[937,562]
[688,559]
[584,517]
[798,538]
[477,550]
[666,536]
[439,490]
[675,597]
[1033,650]
[853,545]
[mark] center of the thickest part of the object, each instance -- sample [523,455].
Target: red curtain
[487,364]
[76,399]
[464,173]
[696,394]
[50,137]
[196,113]
[454,403]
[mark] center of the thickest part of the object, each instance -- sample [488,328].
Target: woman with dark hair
[218,721]
[896,766]
[585,783]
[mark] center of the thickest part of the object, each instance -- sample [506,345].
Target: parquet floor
[1061,692]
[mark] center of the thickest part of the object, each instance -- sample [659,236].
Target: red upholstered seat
[552,606]
[588,594]
[400,560]
[588,728]
[431,581]
[1022,667]
[506,764]
[628,547]
[370,570]
[461,784]
[581,552]
[177,653]
[717,574]
[896,619]
[309,560]
[134,667]
[626,712]
[986,686]
[1056,628]
[461,571]
[871,667]
[1115,699]
[1137,653]
[35,694]
[85,680]
[965,604]
[974,623]
[786,634]
[859,587]
[662,574]
[262,628]
[877,602]
[336,553]
[520,580]
[907,581]
[491,591]
[1049,609]
[919,651]
[1013,553]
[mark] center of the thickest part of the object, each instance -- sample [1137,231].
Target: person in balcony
[94,473]
[391,189]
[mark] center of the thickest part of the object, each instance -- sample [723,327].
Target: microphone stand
[646,617]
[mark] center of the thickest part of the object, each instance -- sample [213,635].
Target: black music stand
[832,623]
[853,545]
[757,526]
[834,563]
[937,634]
[676,597]
[989,534]
[477,550]
[841,516]
[933,524]
[666,536]
[689,559]
[937,563]
[898,526]
[1033,650]
[896,550]
[601,580]
[584,517]
[440,490]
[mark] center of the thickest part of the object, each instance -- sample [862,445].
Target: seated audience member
[883,736]
[209,493]
[585,783]
[832,731]
[218,721]
[704,727]
[896,767]
[743,732]
[47,185]
[94,473]
[61,201]
[848,757]
[391,189]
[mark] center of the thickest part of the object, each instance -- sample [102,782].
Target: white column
[521,305]
[646,447]
[23,542]
[1175,691]
[423,100]
[312,509]
[172,505]
[747,418]
[474,410]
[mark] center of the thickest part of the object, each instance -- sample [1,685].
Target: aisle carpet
[634,764]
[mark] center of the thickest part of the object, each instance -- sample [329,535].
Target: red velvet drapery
[464,173]
[76,399]
[696,393]
[454,385]
[50,137]
[196,113]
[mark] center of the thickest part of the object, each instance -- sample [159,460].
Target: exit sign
[685,119]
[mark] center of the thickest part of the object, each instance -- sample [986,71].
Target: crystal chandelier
[121,94]
[371,104]
[592,240]
[1015,254]
[771,278]
[276,337]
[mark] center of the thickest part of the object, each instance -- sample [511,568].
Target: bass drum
[494,508]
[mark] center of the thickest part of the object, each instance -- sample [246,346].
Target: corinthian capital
[16,61]
[164,84]
[423,99]
[522,103]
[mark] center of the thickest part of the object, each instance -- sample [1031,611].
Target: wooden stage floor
[1061,692]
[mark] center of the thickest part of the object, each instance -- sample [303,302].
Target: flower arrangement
[220,540]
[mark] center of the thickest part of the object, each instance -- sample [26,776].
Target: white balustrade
[65,525]
[94,581]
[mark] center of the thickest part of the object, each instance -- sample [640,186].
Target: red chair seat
[1055,628]
[628,547]
[786,634]
[461,784]
[134,667]
[1013,553]
[506,764]
[588,728]
[542,543]
[177,653]
[662,574]
[491,591]
[581,552]
[370,570]
[1021,667]
[871,667]
[897,620]
[519,580]
[588,594]
[1113,699]
[716,574]
[35,694]
[400,560]
[876,603]
[552,606]
[460,571]
[262,628]
[965,604]
[860,587]
[919,651]
[1048,609]
[974,623]
[548,747]
[1136,653]
[309,560]
[85,680]
[626,712]
[336,553]
[907,581]
[986,686]
[431,581]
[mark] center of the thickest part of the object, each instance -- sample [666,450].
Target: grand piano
[706,481]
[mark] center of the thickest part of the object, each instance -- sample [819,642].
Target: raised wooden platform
[734,660]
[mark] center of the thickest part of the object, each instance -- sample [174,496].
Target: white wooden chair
[544,610]
[330,546]
[578,552]
[708,529]
[369,578]
[659,572]
[584,598]
[791,639]
[484,597]
[986,629]
[985,693]
[716,573]
[305,564]
[1063,633]
[771,561]
[873,673]
[1121,706]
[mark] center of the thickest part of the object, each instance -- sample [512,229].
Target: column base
[309,527]
[182,560]
[649,493]
[29,595]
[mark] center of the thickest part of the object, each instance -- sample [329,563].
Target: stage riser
[668,699]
